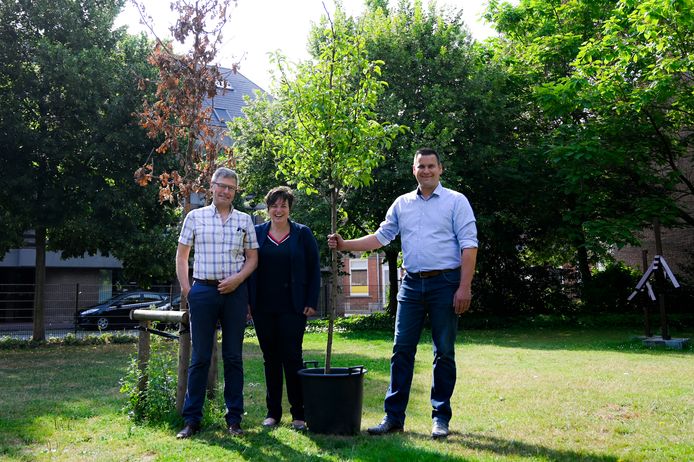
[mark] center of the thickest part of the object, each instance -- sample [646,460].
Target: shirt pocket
[235,242]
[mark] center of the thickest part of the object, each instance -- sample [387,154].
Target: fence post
[214,369]
[183,357]
[77,307]
[142,356]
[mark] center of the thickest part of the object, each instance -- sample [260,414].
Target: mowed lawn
[521,395]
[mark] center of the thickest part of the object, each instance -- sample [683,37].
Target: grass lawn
[521,395]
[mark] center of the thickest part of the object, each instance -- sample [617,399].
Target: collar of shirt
[436,192]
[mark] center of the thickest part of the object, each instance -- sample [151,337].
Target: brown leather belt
[207,282]
[432,273]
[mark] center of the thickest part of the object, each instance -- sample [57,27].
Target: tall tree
[66,98]
[443,87]
[540,42]
[636,75]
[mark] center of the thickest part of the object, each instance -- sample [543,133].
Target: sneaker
[386,426]
[439,429]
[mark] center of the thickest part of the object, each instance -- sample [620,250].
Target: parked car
[115,312]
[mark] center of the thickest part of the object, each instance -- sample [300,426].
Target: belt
[432,273]
[207,282]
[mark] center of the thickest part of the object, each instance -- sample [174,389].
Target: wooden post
[660,282]
[214,369]
[183,356]
[646,304]
[143,356]
[77,305]
[658,239]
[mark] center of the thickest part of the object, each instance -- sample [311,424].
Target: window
[221,114]
[148,297]
[359,277]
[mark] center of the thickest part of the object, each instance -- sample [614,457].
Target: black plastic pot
[333,402]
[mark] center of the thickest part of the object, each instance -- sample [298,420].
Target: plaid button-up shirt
[219,247]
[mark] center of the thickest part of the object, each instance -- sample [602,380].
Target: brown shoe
[235,429]
[188,431]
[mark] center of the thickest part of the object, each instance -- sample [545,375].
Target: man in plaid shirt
[226,253]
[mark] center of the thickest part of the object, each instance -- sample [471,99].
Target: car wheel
[102,323]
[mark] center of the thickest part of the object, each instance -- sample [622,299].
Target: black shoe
[188,431]
[439,429]
[235,429]
[386,426]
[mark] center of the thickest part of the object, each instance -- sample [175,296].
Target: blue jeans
[207,307]
[417,298]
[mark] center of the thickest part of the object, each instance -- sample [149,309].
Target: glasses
[225,187]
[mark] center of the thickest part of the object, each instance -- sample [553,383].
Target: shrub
[608,290]
[157,403]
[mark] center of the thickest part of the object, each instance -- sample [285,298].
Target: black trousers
[281,336]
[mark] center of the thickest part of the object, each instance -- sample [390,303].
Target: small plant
[157,403]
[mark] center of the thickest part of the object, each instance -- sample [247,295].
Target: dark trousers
[418,298]
[207,308]
[280,336]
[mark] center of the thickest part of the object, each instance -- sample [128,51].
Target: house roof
[230,98]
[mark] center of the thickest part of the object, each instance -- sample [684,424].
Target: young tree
[328,139]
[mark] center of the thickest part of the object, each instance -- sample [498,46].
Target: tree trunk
[333,282]
[583,265]
[392,259]
[39,329]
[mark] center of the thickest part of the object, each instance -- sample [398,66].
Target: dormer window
[224,84]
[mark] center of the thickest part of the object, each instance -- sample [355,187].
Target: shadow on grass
[503,447]
[618,339]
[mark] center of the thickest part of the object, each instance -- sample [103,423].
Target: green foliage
[606,81]
[158,401]
[68,339]
[329,138]
[382,322]
[608,290]
[68,89]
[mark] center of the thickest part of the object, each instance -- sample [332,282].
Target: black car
[115,312]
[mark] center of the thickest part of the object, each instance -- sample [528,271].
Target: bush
[608,290]
[69,339]
[157,404]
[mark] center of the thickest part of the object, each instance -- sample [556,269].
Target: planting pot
[333,402]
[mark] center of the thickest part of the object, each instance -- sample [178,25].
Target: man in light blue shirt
[439,245]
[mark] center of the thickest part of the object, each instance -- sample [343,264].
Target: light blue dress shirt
[433,232]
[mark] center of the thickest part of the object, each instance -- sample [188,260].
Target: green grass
[521,395]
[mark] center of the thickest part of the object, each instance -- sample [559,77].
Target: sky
[259,27]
